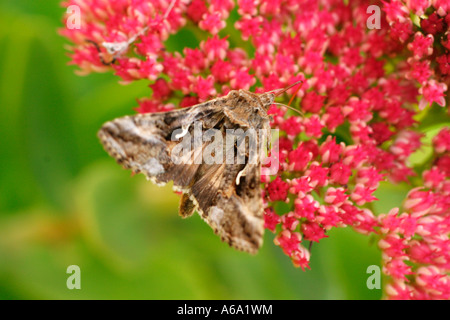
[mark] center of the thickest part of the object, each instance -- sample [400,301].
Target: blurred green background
[64,202]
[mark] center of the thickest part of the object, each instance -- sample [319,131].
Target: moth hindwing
[206,150]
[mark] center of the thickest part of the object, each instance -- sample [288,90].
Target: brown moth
[227,194]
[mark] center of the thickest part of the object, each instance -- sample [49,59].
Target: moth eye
[233,94]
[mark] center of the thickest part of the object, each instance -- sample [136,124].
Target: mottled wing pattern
[234,211]
[143,143]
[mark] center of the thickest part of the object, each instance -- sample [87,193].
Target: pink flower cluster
[415,243]
[362,92]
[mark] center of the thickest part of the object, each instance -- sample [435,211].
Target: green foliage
[63,201]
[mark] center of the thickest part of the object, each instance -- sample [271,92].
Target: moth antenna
[283,90]
[97,47]
[172,3]
[289,107]
[293,96]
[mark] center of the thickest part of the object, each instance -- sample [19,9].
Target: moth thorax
[267,100]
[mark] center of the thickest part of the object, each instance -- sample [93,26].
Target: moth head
[267,100]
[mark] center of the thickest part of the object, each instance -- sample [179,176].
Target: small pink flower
[340,173]
[335,196]
[299,158]
[395,11]
[393,245]
[381,132]
[444,64]
[212,22]
[443,164]
[399,290]
[369,177]
[300,186]
[330,151]
[328,217]
[389,222]
[241,79]
[271,219]
[354,156]
[333,118]
[289,221]
[432,280]
[397,269]
[161,89]
[421,46]
[433,24]
[249,26]
[306,207]
[188,101]
[288,241]
[196,10]
[278,189]
[312,231]
[248,7]
[420,71]
[358,110]
[312,102]
[150,106]
[285,66]
[418,6]
[420,252]
[301,257]
[432,92]
[441,141]
[433,178]
[204,88]
[313,126]
[419,202]
[318,175]
[292,126]
[221,70]
[401,31]
[181,80]
[215,48]
[194,59]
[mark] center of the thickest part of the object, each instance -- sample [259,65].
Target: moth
[227,195]
[116,49]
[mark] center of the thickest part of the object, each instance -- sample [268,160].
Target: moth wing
[234,211]
[144,142]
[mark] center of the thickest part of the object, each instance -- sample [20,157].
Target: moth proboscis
[227,195]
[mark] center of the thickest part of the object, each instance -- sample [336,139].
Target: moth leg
[241,173]
[268,137]
[187,206]
[185,129]
[102,60]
